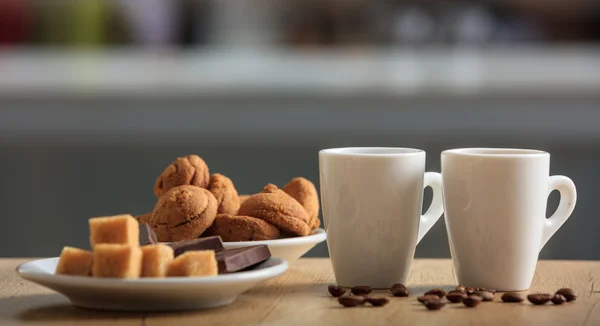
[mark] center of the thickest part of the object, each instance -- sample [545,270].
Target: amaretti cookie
[243,198]
[224,191]
[278,208]
[189,170]
[183,212]
[306,194]
[243,228]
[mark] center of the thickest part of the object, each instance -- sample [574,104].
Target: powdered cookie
[227,197]
[243,228]
[183,212]
[189,170]
[306,194]
[278,208]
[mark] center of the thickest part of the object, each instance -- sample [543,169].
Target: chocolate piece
[233,260]
[147,235]
[208,243]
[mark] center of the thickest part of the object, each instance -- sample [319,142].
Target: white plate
[288,249]
[150,294]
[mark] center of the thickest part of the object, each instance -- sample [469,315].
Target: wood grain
[299,297]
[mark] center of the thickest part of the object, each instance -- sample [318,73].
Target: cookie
[314,223]
[182,213]
[243,198]
[306,194]
[243,228]
[278,208]
[224,191]
[189,170]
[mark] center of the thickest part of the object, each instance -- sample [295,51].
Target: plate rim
[281,266]
[319,235]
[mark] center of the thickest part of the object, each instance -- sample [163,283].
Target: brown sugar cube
[156,260]
[74,261]
[116,260]
[119,229]
[194,263]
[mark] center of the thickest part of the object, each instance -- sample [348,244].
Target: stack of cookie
[192,203]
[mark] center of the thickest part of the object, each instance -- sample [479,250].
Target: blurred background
[97,97]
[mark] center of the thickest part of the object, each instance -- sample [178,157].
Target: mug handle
[436,209]
[568,198]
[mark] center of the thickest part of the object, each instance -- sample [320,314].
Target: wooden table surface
[300,297]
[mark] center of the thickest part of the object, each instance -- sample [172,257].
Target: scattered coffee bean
[488,290]
[461,288]
[400,292]
[398,285]
[435,304]
[439,292]
[569,294]
[455,296]
[511,297]
[361,290]
[558,299]
[429,297]
[485,295]
[377,302]
[336,291]
[470,291]
[351,301]
[472,301]
[539,298]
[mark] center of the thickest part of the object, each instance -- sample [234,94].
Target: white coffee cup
[495,210]
[372,199]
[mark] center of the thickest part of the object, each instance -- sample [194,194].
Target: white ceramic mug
[495,210]
[372,199]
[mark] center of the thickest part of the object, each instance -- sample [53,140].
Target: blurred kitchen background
[97,97]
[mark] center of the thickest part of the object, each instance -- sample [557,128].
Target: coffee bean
[485,295]
[439,292]
[361,290]
[435,304]
[488,290]
[400,292]
[429,297]
[398,285]
[351,301]
[461,288]
[377,302]
[511,297]
[470,291]
[539,298]
[472,301]
[455,296]
[336,291]
[558,299]
[568,293]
